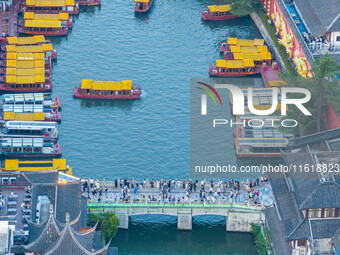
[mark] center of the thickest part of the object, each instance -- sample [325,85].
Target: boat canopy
[25,56]
[219,8]
[22,142]
[37,39]
[106,85]
[24,116]
[37,16]
[237,48]
[50,3]
[253,56]
[25,64]
[43,23]
[261,142]
[142,1]
[31,48]
[222,63]
[21,165]
[13,79]
[25,72]
[245,43]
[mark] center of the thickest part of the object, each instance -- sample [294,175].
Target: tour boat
[36,165]
[64,18]
[29,41]
[142,5]
[233,68]
[54,116]
[228,54]
[32,129]
[89,2]
[218,12]
[31,83]
[50,6]
[32,102]
[29,147]
[260,59]
[260,147]
[234,41]
[107,90]
[45,24]
[47,49]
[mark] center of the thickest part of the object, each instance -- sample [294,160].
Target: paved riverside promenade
[240,202]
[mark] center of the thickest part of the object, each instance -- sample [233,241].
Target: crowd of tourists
[175,191]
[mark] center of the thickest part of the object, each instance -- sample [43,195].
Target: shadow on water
[120,104]
[158,234]
[91,9]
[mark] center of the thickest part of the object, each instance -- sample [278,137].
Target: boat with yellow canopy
[107,90]
[142,5]
[218,12]
[50,6]
[25,165]
[234,41]
[29,41]
[233,68]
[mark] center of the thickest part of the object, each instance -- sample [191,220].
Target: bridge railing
[216,204]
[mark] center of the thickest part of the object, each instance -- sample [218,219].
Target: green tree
[107,223]
[324,90]
[242,7]
[259,240]
[324,70]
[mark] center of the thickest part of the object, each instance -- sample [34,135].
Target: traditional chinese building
[305,218]
[53,237]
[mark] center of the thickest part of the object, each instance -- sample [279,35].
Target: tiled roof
[325,195]
[277,232]
[68,201]
[317,16]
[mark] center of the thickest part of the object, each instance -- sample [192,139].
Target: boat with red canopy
[142,5]
[218,12]
[107,90]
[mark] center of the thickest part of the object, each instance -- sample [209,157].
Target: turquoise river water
[148,138]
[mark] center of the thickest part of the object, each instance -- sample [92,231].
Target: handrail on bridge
[218,204]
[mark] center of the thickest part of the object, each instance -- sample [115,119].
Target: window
[301,243]
[329,212]
[221,13]
[315,213]
[338,38]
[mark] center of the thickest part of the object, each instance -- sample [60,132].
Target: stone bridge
[238,215]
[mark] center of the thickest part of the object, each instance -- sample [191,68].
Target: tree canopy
[242,7]
[324,90]
[107,223]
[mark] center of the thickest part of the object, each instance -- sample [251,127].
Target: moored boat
[47,49]
[107,90]
[32,129]
[234,41]
[265,147]
[30,101]
[228,54]
[45,24]
[50,6]
[29,147]
[89,2]
[260,59]
[64,18]
[233,68]
[218,12]
[29,41]
[32,116]
[35,165]
[142,5]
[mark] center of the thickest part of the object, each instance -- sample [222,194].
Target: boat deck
[8,21]
[271,78]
